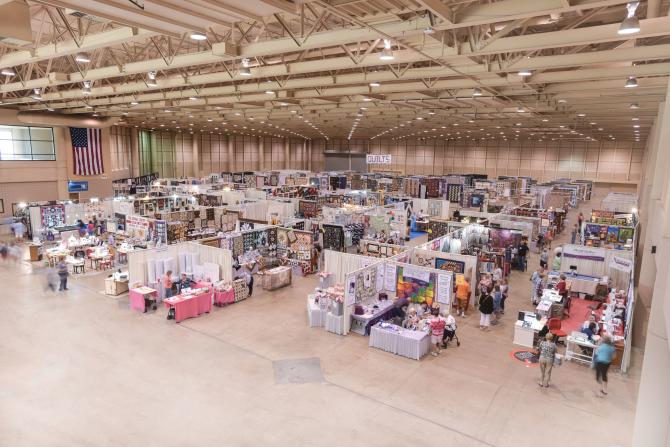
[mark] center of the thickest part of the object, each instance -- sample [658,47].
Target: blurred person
[62,275]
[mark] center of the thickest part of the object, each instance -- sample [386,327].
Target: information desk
[526,329]
[406,343]
[276,278]
[138,295]
[189,305]
[361,324]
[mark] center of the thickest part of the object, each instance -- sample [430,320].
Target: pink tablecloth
[137,299]
[189,306]
[224,297]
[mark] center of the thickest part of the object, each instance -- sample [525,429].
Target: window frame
[30,142]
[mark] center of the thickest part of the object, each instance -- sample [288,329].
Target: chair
[554,325]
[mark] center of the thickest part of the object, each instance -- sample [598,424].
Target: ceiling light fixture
[476,91]
[198,36]
[374,84]
[524,72]
[244,69]
[631,82]
[86,90]
[8,72]
[428,30]
[37,94]
[151,79]
[387,53]
[634,105]
[630,24]
[82,58]
[134,103]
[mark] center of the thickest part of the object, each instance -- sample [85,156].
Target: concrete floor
[80,369]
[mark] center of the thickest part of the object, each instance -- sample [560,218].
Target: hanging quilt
[333,237]
[450,265]
[454,193]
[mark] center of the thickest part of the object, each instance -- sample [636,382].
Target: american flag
[87,151]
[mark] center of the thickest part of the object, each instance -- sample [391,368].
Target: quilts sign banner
[621,264]
[379,159]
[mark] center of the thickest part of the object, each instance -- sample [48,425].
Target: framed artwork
[373,248]
[612,234]
[625,233]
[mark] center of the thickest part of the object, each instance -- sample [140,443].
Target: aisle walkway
[80,369]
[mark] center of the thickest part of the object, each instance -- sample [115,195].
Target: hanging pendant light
[631,82]
[630,25]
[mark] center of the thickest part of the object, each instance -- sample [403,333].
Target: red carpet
[578,314]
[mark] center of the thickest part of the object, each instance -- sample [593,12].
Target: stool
[105,263]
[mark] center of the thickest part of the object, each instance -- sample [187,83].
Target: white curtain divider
[139,269]
[340,264]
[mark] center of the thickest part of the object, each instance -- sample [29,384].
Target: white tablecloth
[410,344]
[316,315]
[413,344]
[334,323]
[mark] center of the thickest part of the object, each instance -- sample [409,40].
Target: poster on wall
[350,292]
[137,226]
[389,278]
[444,288]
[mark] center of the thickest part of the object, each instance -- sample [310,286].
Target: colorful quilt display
[333,237]
[415,284]
[53,215]
[454,193]
[450,265]
[307,208]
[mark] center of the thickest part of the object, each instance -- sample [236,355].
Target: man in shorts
[463,296]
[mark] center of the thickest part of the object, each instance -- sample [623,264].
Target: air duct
[69,120]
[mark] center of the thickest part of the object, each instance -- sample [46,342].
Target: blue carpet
[413,234]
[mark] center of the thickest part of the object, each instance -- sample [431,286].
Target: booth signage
[379,159]
[622,264]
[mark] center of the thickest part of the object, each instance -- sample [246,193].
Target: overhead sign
[379,159]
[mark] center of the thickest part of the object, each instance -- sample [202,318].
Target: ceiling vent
[83,15]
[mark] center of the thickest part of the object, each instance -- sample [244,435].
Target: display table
[526,329]
[577,344]
[276,278]
[334,323]
[315,313]
[361,324]
[403,342]
[114,287]
[581,283]
[189,306]
[222,297]
[137,297]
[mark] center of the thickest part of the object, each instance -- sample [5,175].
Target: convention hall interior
[324,222]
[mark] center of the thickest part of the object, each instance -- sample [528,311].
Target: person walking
[547,355]
[544,258]
[485,309]
[603,359]
[573,234]
[523,252]
[63,275]
[580,220]
[536,280]
[463,293]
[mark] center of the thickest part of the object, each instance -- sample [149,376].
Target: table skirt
[383,339]
[221,298]
[410,344]
[191,307]
[137,299]
[334,323]
[315,314]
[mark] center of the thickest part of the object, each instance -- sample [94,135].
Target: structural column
[135,152]
[261,154]
[195,146]
[231,153]
[303,163]
[287,154]
[309,155]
